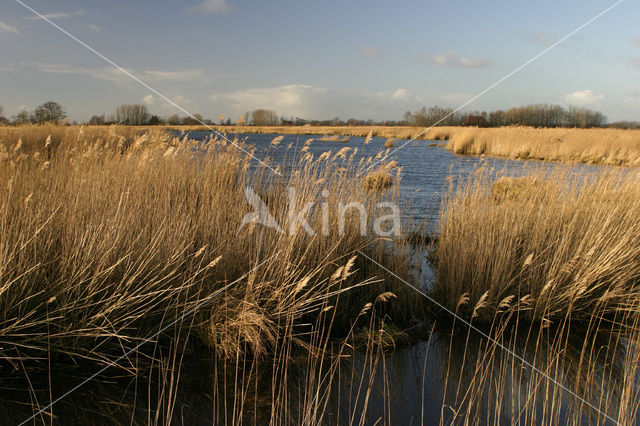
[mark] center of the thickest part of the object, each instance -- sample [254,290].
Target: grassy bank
[593,146]
[398,132]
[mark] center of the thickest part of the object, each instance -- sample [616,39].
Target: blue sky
[362,59]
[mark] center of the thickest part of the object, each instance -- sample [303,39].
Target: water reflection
[450,376]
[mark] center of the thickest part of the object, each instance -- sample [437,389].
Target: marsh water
[418,383]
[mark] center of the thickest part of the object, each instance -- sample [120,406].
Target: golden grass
[378,181]
[563,245]
[516,188]
[334,138]
[549,265]
[107,233]
[397,132]
[381,179]
[593,146]
[484,383]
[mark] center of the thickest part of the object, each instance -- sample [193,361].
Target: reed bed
[580,376]
[386,132]
[592,146]
[550,245]
[334,138]
[548,265]
[109,235]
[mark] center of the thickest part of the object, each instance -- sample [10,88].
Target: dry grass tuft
[378,181]
[381,179]
[334,138]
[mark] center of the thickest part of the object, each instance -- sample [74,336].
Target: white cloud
[293,99]
[95,28]
[116,76]
[57,15]
[182,100]
[105,73]
[636,41]
[369,50]
[6,28]
[299,100]
[583,97]
[184,75]
[400,94]
[149,100]
[450,59]
[168,107]
[211,6]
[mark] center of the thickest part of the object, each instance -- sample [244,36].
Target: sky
[319,59]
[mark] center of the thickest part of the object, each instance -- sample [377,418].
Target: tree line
[537,115]
[48,112]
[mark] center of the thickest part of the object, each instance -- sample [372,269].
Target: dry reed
[550,246]
[549,265]
[109,233]
[593,146]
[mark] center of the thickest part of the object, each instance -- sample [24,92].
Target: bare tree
[22,117]
[264,117]
[193,121]
[97,120]
[174,119]
[429,117]
[135,114]
[49,112]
